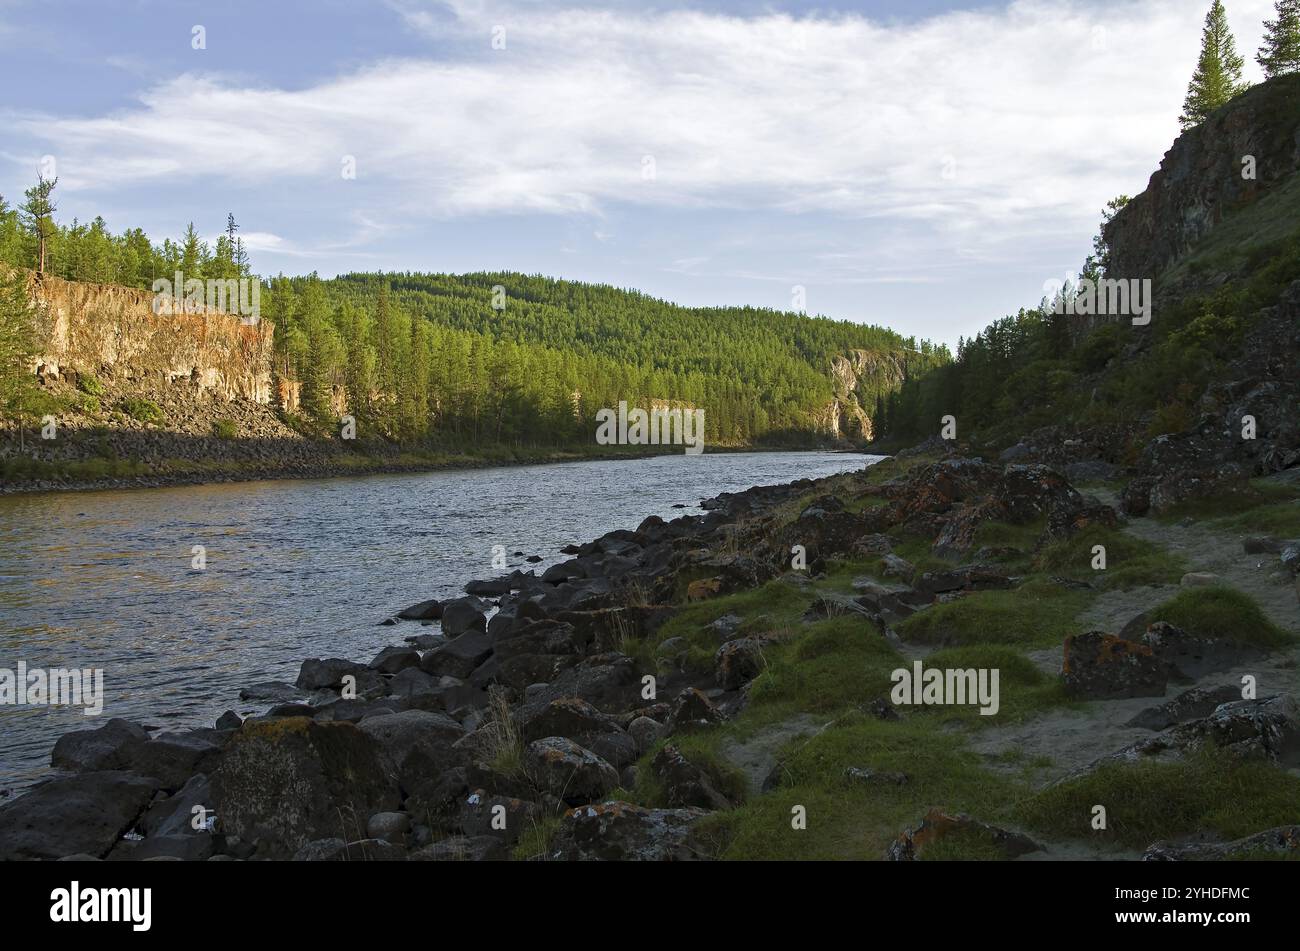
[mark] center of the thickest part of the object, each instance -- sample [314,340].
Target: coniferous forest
[504,358]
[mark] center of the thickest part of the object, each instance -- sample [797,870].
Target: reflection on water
[294,569]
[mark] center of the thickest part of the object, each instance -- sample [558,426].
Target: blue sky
[924,164]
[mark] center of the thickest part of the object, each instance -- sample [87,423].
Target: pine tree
[1218,71]
[1280,53]
[38,213]
[20,395]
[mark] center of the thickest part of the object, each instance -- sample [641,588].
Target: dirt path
[1074,738]
[756,756]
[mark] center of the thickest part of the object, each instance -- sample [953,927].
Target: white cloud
[1018,119]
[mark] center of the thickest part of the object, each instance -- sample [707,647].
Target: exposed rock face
[107,329]
[856,377]
[1200,178]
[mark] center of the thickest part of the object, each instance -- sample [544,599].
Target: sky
[927,165]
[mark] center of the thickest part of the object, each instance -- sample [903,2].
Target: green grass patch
[1218,611]
[850,820]
[1209,791]
[1130,561]
[1038,613]
[535,841]
[700,750]
[835,664]
[1023,689]
[1248,509]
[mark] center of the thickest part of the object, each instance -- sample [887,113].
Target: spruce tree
[1218,72]
[38,213]
[1280,53]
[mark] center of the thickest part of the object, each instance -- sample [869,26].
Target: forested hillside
[504,358]
[517,358]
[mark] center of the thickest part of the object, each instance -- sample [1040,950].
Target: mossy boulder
[286,783]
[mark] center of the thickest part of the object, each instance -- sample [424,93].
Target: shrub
[225,429]
[142,410]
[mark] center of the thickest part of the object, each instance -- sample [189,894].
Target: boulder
[937,825]
[284,783]
[416,746]
[620,831]
[391,827]
[458,657]
[1102,666]
[692,710]
[645,732]
[737,662]
[1282,841]
[462,848]
[1189,705]
[109,747]
[175,815]
[1267,729]
[1187,656]
[393,660]
[500,817]
[329,674]
[271,691]
[463,614]
[684,783]
[430,610]
[568,771]
[86,813]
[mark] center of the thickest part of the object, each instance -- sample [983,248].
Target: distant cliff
[857,378]
[108,331]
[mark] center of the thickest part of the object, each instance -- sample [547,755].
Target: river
[294,569]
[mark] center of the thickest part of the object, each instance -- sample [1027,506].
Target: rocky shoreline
[519,722]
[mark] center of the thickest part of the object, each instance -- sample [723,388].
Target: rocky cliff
[857,377]
[1241,156]
[105,330]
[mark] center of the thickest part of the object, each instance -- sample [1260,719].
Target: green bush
[142,410]
[90,385]
[225,429]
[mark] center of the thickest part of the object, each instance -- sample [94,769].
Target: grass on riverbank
[1209,791]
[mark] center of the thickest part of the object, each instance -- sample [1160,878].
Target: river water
[294,569]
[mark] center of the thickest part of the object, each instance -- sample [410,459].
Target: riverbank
[724,685]
[22,475]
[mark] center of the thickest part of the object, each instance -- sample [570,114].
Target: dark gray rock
[463,614]
[393,660]
[621,831]
[86,813]
[568,771]
[458,657]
